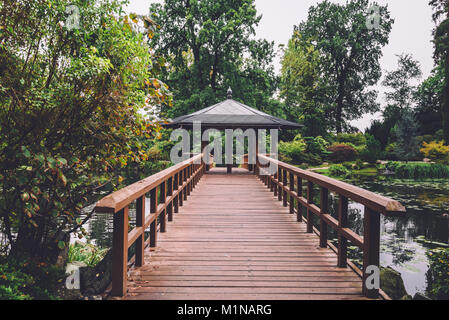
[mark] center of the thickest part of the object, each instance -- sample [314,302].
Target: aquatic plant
[87,253]
[438,274]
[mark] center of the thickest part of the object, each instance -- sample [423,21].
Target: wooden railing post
[176,188]
[309,202]
[153,225]
[279,186]
[140,223]
[284,185]
[184,174]
[274,186]
[169,194]
[371,247]
[120,253]
[180,196]
[324,209]
[299,192]
[342,223]
[292,188]
[162,198]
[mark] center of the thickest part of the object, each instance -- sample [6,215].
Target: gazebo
[231,114]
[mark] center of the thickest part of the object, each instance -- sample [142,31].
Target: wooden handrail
[287,184]
[168,190]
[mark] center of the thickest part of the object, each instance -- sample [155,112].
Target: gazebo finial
[229,93]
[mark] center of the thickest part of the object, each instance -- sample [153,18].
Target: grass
[87,253]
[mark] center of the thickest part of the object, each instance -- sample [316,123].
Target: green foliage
[349,56]
[317,145]
[428,97]
[356,139]
[210,46]
[69,119]
[302,87]
[441,41]
[338,170]
[436,151]
[28,280]
[413,170]
[438,274]
[87,253]
[293,150]
[341,153]
[372,152]
[406,133]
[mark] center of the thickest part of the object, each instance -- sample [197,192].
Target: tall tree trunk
[339,113]
[445,100]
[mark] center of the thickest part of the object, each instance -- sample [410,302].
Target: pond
[404,240]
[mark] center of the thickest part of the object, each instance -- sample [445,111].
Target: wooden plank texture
[233,240]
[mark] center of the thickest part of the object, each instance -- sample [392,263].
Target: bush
[87,253]
[293,150]
[338,170]
[436,151]
[27,280]
[421,170]
[372,151]
[356,139]
[296,151]
[341,153]
[438,274]
[317,146]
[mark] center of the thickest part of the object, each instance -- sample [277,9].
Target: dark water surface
[404,240]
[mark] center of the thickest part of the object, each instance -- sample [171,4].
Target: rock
[95,280]
[392,284]
[420,296]
[325,163]
[427,160]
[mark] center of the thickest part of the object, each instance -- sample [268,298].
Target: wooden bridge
[240,236]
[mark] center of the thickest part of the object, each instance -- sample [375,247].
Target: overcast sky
[412,30]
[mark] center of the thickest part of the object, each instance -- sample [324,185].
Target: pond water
[404,240]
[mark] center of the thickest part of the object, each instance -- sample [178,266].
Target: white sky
[412,30]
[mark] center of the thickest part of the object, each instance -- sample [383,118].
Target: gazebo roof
[232,114]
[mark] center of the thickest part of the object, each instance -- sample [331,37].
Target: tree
[301,86]
[402,91]
[428,98]
[69,115]
[406,132]
[210,46]
[441,41]
[400,97]
[350,53]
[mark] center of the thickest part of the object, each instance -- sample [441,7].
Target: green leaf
[26,152]
[61,244]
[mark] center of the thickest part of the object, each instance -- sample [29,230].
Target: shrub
[372,151]
[317,146]
[438,274]
[293,150]
[436,151]
[421,170]
[356,139]
[347,165]
[341,153]
[87,253]
[338,170]
[27,280]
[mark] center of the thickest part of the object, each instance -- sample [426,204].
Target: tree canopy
[210,46]
[350,53]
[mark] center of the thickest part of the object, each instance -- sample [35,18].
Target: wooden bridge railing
[168,189]
[287,184]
